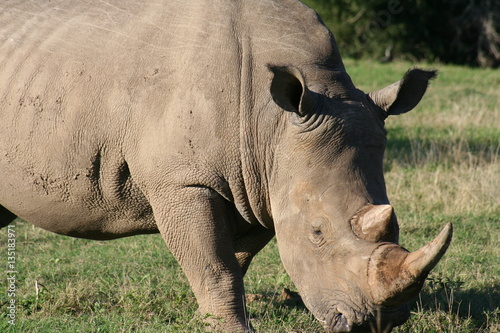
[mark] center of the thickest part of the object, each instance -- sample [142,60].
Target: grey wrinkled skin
[216,123]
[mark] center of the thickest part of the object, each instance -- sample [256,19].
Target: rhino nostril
[340,324]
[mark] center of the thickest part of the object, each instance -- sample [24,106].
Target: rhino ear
[404,95]
[289,90]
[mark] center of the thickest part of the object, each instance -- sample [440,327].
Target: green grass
[442,165]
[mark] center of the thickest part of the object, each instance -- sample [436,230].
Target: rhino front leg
[194,222]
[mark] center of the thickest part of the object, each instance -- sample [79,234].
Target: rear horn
[376,223]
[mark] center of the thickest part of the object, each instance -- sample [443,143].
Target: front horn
[395,275]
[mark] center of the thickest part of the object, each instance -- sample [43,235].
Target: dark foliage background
[463,32]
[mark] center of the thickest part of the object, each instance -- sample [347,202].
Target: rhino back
[95,96]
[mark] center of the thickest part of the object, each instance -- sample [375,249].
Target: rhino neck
[257,156]
[256,136]
[261,122]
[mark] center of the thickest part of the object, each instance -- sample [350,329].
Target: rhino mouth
[382,320]
[337,323]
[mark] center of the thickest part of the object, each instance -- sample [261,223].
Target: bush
[450,31]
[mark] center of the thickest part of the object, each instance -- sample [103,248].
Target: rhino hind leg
[6,217]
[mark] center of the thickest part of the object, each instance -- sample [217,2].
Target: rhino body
[218,124]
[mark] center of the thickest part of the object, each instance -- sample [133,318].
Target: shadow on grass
[448,296]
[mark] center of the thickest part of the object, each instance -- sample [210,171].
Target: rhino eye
[316,225]
[317,231]
[316,236]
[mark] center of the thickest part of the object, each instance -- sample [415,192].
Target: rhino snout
[338,323]
[380,319]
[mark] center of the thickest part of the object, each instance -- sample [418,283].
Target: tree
[452,31]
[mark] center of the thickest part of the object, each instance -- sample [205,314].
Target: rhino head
[336,230]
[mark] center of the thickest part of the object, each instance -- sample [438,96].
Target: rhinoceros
[219,124]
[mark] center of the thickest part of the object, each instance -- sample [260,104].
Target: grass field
[442,164]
